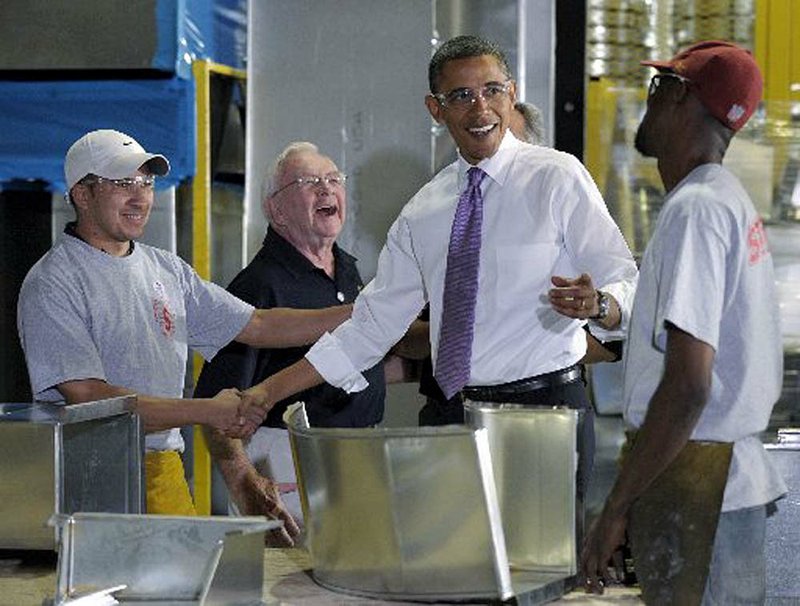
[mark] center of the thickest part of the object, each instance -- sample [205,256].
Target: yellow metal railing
[202,70]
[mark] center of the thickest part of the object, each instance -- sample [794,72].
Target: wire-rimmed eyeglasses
[137,182]
[655,81]
[313,181]
[464,98]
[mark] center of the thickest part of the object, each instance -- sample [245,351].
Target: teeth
[480,130]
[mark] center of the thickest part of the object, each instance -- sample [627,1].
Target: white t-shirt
[84,314]
[708,271]
[542,216]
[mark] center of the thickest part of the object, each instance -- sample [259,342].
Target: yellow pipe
[226,70]
[201,248]
[779,39]
[774,51]
[794,56]
[202,71]
[601,105]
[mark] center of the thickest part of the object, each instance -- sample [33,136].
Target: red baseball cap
[725,78]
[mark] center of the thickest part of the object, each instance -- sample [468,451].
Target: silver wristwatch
[604,306]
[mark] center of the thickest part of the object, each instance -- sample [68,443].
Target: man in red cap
[703,362]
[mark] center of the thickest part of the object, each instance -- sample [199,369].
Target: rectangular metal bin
[400,513]
[160,560]
[413,513]
[61,459]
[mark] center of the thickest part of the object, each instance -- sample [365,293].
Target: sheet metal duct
[154,559]
[51,457]
[415,513]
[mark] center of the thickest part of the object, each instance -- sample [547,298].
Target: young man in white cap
[101,315]
[703,361]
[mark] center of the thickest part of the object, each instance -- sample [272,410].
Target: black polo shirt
[279,276]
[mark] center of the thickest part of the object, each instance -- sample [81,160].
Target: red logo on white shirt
[163,317]
[161,312]
[757,242]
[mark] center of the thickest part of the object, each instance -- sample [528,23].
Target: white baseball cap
[110,154]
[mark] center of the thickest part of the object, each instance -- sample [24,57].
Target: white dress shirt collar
[497,166]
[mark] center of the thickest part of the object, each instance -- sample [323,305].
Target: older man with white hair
[301,266]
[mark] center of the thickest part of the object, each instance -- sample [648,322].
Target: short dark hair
[462,47]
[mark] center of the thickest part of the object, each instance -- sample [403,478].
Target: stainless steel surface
[534,457]
[62,459]
[239,576]
[162,558]
[401,513]
[783,528]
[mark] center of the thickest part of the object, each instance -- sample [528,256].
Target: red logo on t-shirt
[757,242]
[163,317]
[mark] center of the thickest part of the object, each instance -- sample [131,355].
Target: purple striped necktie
[461,289]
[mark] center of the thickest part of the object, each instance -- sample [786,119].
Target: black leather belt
[550,379]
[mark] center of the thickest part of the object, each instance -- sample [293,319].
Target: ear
[512,92]
[274,212]
[434,107]
[679,91]
[80,195]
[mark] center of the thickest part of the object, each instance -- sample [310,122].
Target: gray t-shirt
[130,321]
[708,271]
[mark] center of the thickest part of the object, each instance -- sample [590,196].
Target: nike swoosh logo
[127,143]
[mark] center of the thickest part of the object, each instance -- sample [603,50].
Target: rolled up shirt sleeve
[330,360]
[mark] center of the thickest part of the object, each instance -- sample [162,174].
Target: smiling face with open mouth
[477,127]
[309,214]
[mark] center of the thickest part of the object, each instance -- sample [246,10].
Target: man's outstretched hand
[231,418]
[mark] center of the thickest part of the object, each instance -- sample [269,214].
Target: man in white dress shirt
[543,219]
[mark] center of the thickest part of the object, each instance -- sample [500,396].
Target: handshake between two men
[241,412]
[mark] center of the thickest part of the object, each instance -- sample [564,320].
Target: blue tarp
[40,120]
[200,29]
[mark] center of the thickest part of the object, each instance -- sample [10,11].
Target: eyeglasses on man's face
[655,81]
[145,182]
[464,98]
[310,182]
